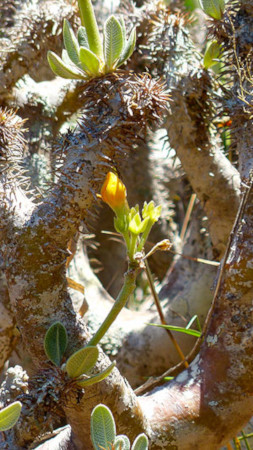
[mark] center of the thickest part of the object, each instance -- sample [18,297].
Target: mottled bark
[169,53]
[33,34]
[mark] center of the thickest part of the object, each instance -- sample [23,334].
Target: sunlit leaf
[55,342]
[123,27]
[81,361]
[60,68]
[141,442]
[122,442]
[70,42]
[113,41]
[82,37]
[195,317]
[128,49]
[103,430]
[214,8]
[89,61]
[96,378]
[211,55]
[66,59]
[9,416]
[180,329]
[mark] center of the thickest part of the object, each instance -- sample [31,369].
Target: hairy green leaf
[89,61]
[9,416]
[141,442]
[70,42]
[128,49]
[81,361]
[103,430]
[180,329]
[123,27]
[82,37]
[96,378]
[113,41]
[65,58]
[122,442]
[61,69]
[213,8]
[55,342]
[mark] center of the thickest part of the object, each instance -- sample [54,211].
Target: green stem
[127,289]
[132,246]
[144,236]
[88,20]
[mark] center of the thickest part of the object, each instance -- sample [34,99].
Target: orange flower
[114,193]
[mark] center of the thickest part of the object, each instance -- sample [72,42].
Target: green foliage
[103,432]
[89,62]
[122,442]
[135,227]
[212,53]
[140,443]
[96,378]
[9,416]
[81,361]
[87,57]
[180,329]
[55,342]
[103,429]
[63,70]
[213,8]
[78,364]
[113,41]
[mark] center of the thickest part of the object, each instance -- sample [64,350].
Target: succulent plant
[103,432]
[87,55]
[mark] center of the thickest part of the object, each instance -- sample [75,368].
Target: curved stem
[126,291]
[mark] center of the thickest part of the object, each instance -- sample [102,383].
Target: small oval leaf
[9,416]
[55,342]
[213,8]
[96,378]
[103,429]
[89,61]
[82,37]
[81,361]
[129,48]
[122,442]
[113,41]
[61,69]
[70,42]
[141,442]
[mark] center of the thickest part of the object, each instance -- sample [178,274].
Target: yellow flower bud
[114,193]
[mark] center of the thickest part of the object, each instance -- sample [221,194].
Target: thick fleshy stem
[88,20]
[127,289]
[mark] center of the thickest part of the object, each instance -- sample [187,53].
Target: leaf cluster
[80,363]
[86,55]
[103,432]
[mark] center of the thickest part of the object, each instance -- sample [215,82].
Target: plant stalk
[127,289]
[89,21]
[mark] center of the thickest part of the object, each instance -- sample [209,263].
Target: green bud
[121,224]
[136,225]
[151,211]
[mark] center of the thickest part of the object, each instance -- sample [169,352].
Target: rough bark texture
[204,406]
